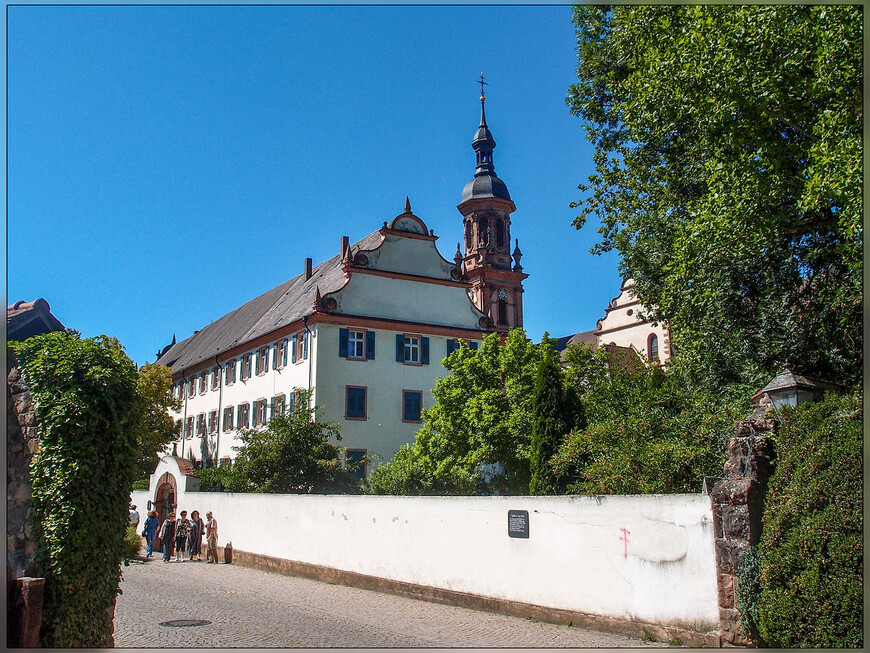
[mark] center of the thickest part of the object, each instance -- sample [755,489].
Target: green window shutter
[272,408]
[305,345]
[342,343]
[474,346]
[284,353]
[292,405]
[293,348]
[370,345]
[451,346]
[239,417]
[400,347]
[424,346]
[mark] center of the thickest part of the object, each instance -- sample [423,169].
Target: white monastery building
[365,331]
[625,327]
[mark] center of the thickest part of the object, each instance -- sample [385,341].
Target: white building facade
[365,331]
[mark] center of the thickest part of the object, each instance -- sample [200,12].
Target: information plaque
[518,523]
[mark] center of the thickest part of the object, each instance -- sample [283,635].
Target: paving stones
[253,608]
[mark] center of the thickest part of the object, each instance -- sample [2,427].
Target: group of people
[181,535]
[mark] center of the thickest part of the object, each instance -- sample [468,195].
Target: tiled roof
[262,315]
[27,319]
[587,337]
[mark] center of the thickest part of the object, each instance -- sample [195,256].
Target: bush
[748,591]
[89,414]
[142,484]
[215,479]
[408,474]
[132,544]
[812,590]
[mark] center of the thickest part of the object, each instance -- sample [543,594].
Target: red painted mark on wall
[624,538]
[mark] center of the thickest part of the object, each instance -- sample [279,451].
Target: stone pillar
[738,504]
[24,613]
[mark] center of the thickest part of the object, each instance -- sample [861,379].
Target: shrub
[132,544]
[411,474]
[748,591]
[142,484]
[812,547]
[215,479]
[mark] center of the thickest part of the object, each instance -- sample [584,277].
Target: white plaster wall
[574,559]
[384,431]
[410,256]
[630,331]
[411,301]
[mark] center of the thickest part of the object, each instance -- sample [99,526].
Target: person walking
[211,538]
[167,535]
[182,528]
[134,516]
[149,530]
[194,537]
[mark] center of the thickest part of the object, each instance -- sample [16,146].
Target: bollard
[228,553]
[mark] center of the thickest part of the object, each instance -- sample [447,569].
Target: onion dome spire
[485,183]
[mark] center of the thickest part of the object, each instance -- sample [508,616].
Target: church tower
[495,274]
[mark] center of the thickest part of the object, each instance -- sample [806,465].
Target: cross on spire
[482,84]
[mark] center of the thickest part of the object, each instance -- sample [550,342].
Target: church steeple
[486,205]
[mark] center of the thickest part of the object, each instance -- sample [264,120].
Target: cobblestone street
[252,608]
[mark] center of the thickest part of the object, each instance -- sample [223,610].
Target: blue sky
[167,164]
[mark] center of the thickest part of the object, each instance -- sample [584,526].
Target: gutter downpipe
[310,358]
[217,439]
[184,417]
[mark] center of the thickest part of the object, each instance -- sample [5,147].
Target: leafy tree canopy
[154,386]
[647,431]
[729,176]
[482,419]
[291,455]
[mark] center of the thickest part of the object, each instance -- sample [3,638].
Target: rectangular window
[215,377]
[355,402]
[231,371]
[259,412]
[412,349]
[178,427]
[200,425]
[212,422]
[228,418]
[412,404]
[276,355]
[279,403]
[284,347]
[225,461]
[188,433]
[356,344]
[300,346]
[244,416]
[203,383]
[355,463]
[246,371]
[262,360]
[191,386]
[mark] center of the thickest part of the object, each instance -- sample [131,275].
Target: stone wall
[21,443]
[738,505]
[23,593]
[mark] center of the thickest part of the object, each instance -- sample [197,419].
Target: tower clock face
[502,294]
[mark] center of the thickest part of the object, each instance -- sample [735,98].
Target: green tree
[647,431]
[729,176]
[482,417]
[90,415]
[812,544]
[556,410]
[291,455]
[154,386]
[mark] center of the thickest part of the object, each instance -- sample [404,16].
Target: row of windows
[353,344]
[255,363]
[356,404]
[260,411]
[411,349]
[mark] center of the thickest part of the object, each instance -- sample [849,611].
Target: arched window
[483,231]
[469,243]
[502,312]
[499,234]
[653,347]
